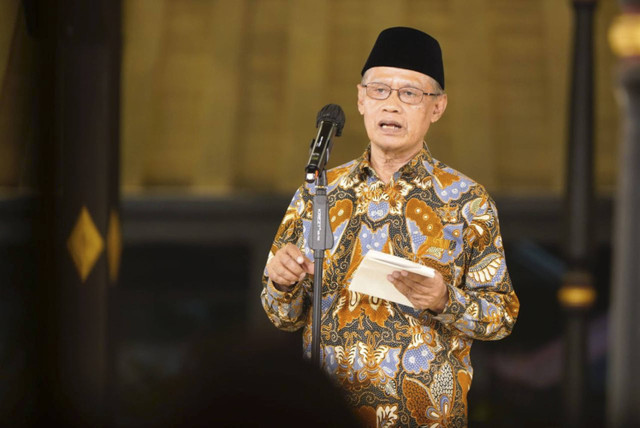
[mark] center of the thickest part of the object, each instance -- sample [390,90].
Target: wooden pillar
[79,221]
[577,293]
[623,377]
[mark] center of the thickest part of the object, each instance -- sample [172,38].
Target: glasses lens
[410,95]
[378,91]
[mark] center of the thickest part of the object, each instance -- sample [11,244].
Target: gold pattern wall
[17,101]
[221,95]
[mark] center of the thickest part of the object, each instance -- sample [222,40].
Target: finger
[278,268]
[416,277]
[293,266]
[281,275]
[397,278]
[307,264]
[417,294]
[274,276]
[408,293]
[400,285]
[295,253]
[418,301]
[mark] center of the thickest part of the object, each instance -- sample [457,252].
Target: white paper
[371,276]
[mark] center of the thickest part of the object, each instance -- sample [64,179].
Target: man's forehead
[396,74]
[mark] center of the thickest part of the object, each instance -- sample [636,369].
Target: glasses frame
[431,94]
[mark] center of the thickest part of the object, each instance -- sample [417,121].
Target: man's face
[392,125]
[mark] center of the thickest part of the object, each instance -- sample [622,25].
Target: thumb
[308,266]
[303,260]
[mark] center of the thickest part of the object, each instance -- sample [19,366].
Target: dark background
[185,285]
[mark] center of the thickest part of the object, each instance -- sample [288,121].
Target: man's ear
[361,95]
[439,107]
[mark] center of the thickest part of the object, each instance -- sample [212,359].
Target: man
[399,366]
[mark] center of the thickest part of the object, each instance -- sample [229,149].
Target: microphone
[329,122]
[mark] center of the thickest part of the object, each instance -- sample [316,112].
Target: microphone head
[332,113]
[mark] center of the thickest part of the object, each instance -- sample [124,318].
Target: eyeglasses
[408,95]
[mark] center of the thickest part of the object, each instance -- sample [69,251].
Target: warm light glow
[577,296]
[624,35]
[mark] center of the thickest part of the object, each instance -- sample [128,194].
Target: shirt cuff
[450,312]
[281,296]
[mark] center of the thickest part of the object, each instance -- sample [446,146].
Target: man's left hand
[423,292]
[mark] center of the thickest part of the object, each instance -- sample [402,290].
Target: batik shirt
[397,365]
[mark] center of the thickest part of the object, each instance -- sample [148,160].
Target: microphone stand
[321,239]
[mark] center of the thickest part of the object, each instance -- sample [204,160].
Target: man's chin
[391,144]
[388,140]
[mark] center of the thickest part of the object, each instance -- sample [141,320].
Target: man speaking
[398,365]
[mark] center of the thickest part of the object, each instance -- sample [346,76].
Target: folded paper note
[371,276]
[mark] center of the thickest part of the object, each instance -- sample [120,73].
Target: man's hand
[288,266]
[423,292]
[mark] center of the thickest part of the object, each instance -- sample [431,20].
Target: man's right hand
[288,266]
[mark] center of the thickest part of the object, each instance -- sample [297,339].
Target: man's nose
[393,102]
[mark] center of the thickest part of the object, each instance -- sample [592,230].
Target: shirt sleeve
[484,306]
[286,309]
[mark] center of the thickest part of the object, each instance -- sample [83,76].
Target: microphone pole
[330,121]
[321,239]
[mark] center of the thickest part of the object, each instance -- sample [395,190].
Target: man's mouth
[389,124]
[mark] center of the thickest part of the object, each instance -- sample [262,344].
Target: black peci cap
[407,48]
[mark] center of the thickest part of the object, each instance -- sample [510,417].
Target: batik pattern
[399,366]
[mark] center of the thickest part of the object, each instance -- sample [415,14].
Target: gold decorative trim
[624,35]
[85,244]
[577,296]
[114,245]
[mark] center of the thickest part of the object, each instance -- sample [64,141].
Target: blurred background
[149,148]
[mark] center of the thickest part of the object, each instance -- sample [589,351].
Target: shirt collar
[416,167]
